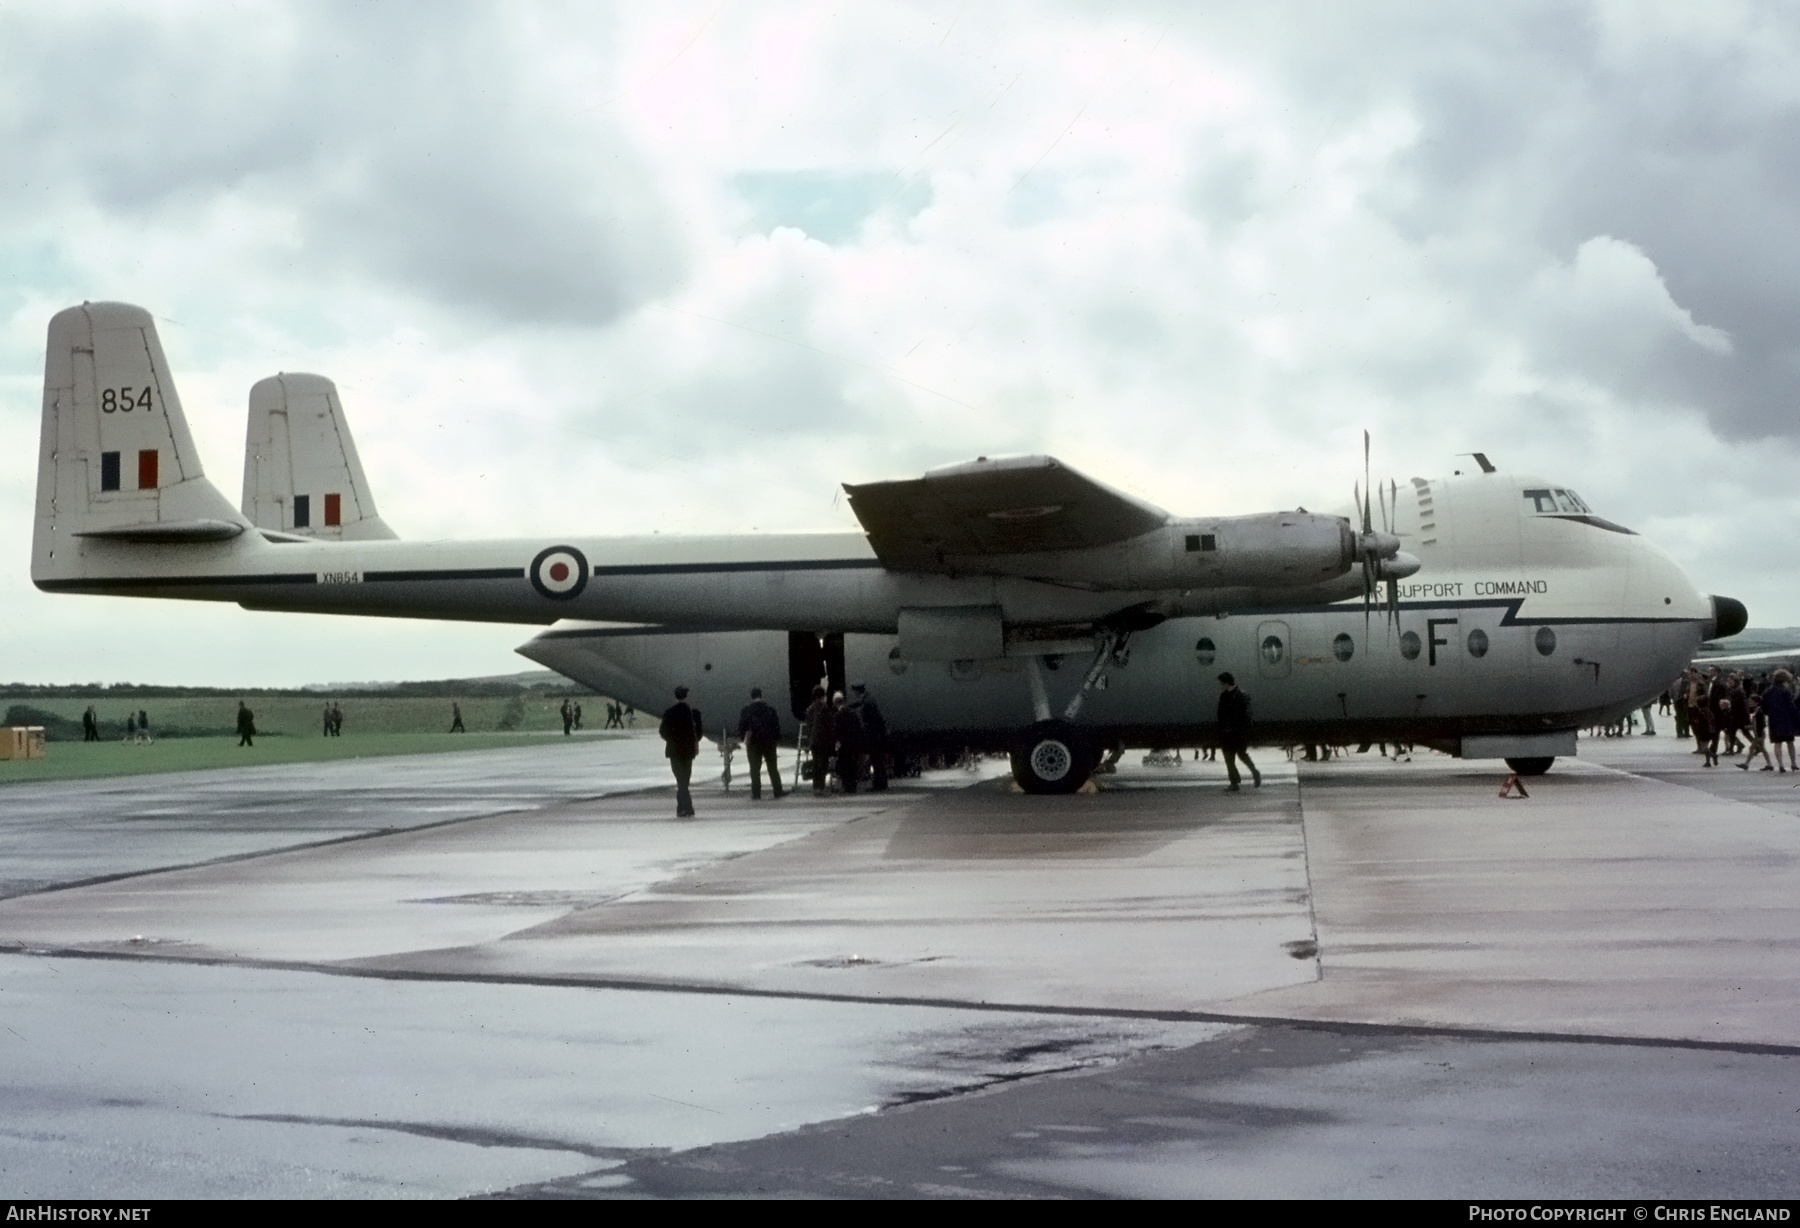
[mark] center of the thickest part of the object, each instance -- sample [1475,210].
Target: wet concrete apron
[962,990]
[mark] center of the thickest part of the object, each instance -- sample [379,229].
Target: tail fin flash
[301,472]
[116,463]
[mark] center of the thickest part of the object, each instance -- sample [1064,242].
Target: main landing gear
[1055,756]
[1052,757]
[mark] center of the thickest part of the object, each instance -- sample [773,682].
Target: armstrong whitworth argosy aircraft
[1004,603]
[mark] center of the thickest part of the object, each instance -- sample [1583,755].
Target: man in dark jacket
[1784,718]
[681,742]
[849,730]
[1234,731]
[760,728]
[821,738]
[246,726]
[874,727]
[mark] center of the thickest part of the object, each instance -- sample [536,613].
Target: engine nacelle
[1274,550]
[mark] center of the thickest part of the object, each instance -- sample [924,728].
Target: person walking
[760,727]
[1784,717]
[246,725]
[1740,713]
[680,731]
[325,722]
[821,724]
[143,732]
[1680,693]
[578,716]
[1698,725]
[874,727]
[1718,693]
[1759,734]
[131,726]
[568,717]
[337,720]
[456,725]
[90,725]
[849,730]
[1705,723]
[1234,731]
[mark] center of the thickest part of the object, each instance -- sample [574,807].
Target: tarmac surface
[514,973]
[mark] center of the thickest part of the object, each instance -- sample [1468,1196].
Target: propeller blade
[1368,527]
[1366,593]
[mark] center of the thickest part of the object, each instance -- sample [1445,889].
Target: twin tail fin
[117,466]
[302,476]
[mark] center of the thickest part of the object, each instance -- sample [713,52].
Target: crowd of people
[842,732]
[137,726]
[841,738]
[1737,713]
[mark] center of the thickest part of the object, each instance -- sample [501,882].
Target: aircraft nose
[1729,617]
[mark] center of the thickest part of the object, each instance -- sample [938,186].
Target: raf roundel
[559,573]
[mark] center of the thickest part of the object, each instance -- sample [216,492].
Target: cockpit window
[1555,502]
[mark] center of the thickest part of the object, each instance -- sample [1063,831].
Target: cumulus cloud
[436,152]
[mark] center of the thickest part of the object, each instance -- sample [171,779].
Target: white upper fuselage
[1473,535]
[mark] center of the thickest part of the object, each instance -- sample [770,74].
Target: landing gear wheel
[1052,757]
[1535,766]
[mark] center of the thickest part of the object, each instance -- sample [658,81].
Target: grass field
[79,760]
[298,716]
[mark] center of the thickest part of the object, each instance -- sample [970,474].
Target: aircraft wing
[1010,505]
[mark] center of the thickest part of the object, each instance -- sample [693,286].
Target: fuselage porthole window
[1409,645]
[1478,643]
[1343,647]
[1205,652]
[1546,641]
[1272,650]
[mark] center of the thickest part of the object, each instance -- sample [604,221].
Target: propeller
[1379,553]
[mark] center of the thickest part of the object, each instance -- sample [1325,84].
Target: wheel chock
[1510,783]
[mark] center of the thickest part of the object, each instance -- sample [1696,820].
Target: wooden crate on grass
[22,742]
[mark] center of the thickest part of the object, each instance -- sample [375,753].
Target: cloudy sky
[686,267]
